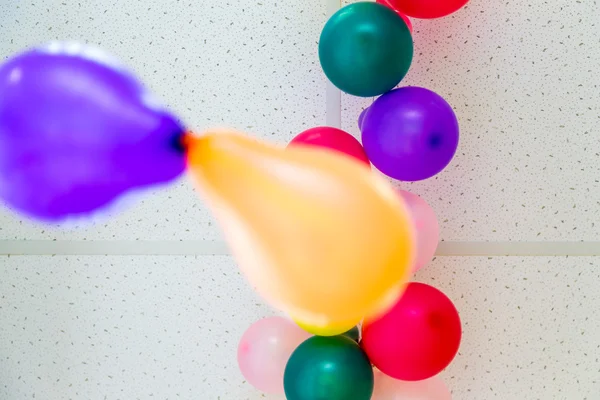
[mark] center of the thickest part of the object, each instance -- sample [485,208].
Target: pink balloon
[426,225]
[387,388]
[265,349]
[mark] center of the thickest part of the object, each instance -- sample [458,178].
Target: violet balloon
[410,133]
[77,130]
[265,349]
[387,388]
[361,117]
[426,227]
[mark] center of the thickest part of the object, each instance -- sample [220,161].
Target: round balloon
[387,388]
[417,338]
[427,9]
[265,349]
[334,139]
[318,235]
[410,133]
[328,368]
[426,226]
[77,130]
[404,17]
[365,49]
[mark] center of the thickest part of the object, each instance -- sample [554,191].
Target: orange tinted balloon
[317,233]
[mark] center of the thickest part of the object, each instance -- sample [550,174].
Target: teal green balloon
[365,49]
[328,368]
[353,334]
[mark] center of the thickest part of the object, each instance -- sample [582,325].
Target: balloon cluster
[410,336]
[315,231]
[409,134]
[408,346]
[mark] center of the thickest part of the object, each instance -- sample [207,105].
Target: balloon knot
[183,141]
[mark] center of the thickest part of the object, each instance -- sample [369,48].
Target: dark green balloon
[365,49]
[328,368]
[353,334]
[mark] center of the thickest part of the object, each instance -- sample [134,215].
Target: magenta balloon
[426,227]
[387,388]
[265,349]
[410,133]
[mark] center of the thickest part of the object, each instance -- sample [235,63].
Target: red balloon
[417,338]
[332,138]
[427,9]
[404,17]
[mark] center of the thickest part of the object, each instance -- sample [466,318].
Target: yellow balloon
[317,233]
[327,330]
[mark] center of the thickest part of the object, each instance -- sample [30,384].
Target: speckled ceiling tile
[247,65]
[530,330]
[123,328]
[127,327]
[523,80]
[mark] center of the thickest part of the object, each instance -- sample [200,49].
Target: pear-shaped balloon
[317,233]
[78,131]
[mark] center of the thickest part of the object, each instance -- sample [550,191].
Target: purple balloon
[361,117]
[410,133]
[77,130]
